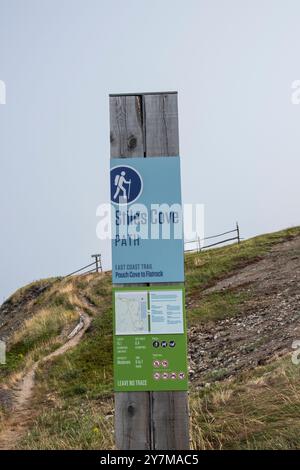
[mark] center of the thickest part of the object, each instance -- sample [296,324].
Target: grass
[54,311]
[85,370]
[79,382]
[74,391]
[88,368]
[217,306]
[257,410]
[87,426]
[46,324]
[19,295]
[205,268]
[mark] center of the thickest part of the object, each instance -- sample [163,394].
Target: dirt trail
[267,323]
[22,412]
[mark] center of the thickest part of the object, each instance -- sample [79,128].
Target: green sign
[150,341]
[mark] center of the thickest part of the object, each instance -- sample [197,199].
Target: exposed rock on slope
[266,325]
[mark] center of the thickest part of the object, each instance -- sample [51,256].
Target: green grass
[205,268]
[85,370]
[86,425]
[217,306]
[88,368]
[257,410]
[79,380]
[79,383]
[39,334]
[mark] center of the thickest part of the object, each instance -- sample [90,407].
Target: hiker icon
[126,184]
[119,182]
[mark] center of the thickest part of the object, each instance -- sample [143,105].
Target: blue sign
[126,184]
[147,230]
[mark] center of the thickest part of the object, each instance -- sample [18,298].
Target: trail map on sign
[131,313]
[150,344]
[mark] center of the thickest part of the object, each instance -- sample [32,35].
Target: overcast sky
[233,63]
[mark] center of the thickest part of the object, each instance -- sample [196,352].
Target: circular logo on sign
[126,184]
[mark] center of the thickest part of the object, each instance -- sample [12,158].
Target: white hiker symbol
[119,182]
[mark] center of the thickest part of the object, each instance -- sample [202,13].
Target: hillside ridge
[243,310]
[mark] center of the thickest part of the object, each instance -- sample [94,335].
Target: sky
[233,64]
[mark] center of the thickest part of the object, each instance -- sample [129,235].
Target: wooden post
[199,244]
[146,125]
[238,232]
[97,261]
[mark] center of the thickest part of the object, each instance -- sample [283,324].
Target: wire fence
[199,243]
[97,267]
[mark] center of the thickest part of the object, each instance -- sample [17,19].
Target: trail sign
[150,348]
[147,230]
[150,353]
[126,184]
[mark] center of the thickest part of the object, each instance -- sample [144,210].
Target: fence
[97,267]
[198,241]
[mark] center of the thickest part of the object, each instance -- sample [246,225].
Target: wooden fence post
[238,232]
[146,125]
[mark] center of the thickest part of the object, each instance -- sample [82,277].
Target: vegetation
[217,306]
[74,391]
[205,268]
[258,410]
[54,313]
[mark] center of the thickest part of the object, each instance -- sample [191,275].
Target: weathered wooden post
[238,232]
[146,126]
[98,262]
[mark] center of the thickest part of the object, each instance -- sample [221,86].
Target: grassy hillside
[73,402]
[258,409]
